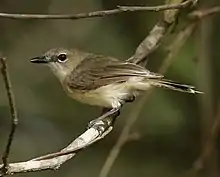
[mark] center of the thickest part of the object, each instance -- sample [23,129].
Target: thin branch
[207,160]
[104,128]
[156,35]
[176,45]
[90,136]
[156,8]
[102,13]
[202,13]
[210,143]
[150,43]
[14,117]
[125,134]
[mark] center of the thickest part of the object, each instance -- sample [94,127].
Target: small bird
[102,80]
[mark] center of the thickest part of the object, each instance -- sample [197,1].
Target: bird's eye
[62,57]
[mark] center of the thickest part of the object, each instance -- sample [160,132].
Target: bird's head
[61,61]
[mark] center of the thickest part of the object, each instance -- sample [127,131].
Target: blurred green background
[173,127]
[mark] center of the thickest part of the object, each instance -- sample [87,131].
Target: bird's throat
[59,70]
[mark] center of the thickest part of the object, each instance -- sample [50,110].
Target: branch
[14,117]
[102,13]
[150,43]
[209,119]
[202,13]
[154,39]
[210,143]
[53,161]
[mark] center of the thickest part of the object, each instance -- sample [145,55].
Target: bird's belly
[105,96]
[109,96]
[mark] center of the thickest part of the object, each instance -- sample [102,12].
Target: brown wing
[96,71]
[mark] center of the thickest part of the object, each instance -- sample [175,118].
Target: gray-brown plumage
[103,81]
[97,71]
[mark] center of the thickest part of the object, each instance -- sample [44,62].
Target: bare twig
[156,8]
[154,39]
[53,161]
[210,143]
[204,43]
[101,13]
[14,117]
[175,47]
[202,13]
[150,43]
[104,128]
[125,134]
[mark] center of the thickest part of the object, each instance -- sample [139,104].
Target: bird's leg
[106,112]
[114,116]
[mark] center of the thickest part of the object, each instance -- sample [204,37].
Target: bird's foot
[104,120]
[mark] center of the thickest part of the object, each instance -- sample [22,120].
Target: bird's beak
[40,59]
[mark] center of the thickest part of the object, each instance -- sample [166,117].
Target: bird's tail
[175,86]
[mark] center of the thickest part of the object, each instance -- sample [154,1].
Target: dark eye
[62,57]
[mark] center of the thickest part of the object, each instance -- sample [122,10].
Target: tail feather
[175,86]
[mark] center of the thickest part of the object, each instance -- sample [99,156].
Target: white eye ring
[62,57]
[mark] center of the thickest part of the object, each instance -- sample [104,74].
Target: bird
[103,81]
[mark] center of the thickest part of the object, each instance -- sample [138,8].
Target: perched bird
[101,80]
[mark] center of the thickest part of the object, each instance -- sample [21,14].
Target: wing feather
[96,71]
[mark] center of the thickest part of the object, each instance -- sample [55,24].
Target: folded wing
[96,71]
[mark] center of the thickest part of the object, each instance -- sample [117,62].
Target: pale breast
[110,95]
